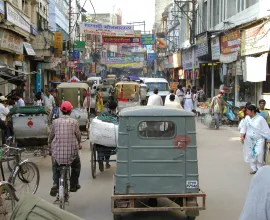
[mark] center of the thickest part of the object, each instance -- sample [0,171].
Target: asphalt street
[224,177]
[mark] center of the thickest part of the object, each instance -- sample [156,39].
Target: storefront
[255,47]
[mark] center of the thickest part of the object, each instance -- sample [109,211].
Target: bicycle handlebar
[14,148]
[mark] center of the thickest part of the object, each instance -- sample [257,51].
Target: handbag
[209,121]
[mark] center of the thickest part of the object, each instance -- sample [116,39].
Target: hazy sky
[132,10]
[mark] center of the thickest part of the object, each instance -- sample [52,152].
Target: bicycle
[64,186]
[23,173]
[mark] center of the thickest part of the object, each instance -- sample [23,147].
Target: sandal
[252,172]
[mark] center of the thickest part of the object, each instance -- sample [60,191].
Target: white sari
[256,130]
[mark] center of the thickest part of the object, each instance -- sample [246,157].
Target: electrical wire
[93,10]
[75,24]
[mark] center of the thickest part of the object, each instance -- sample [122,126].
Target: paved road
[223,176]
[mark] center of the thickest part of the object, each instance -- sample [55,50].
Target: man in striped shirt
[64,141]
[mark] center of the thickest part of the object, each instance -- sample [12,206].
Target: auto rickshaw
[157,164]
[127,94]
[79,96]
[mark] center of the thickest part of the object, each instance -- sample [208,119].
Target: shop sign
[230,43]
[169,63]
[11,42]
[76,55]
[106,29]
[255,40]
[34,29]
[202,45]
[128,59]
[129,41]
[228,58]
[151,57]
[78,45]
[148,39]
[78,67]
[18,18]
[188,59]
[176,60]
[29,49]
[215,48]
[58,44]
[2,7]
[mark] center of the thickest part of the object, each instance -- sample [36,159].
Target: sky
[132,10]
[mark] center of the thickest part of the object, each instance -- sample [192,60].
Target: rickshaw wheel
[93,160]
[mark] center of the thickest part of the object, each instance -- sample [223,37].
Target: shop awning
[29,49]
[10,78]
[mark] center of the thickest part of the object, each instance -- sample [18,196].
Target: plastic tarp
[103,133]
[32,207]
[29,110]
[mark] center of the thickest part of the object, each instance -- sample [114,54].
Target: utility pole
[69,33]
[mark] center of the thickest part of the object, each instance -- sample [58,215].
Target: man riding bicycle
[64,142]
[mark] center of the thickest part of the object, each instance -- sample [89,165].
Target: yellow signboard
[58,44]
[122,65]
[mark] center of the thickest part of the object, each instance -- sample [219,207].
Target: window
[160,86]
[231,8]
[25,7]
[251,2]
[266,84]
[215,13]
[157,129]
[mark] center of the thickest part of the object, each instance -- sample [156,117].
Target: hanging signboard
[58,44]
[255,40]
[128,59]
[78,45]
[11,42]
[76,55]
[148,39]
[137,64]
[29,49]
[202,45]
[18,18]
[176,60]
[151,57]
[133,41]
[106,29]
[215,48]
[230,43]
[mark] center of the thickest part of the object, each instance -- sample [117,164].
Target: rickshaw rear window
[157,129]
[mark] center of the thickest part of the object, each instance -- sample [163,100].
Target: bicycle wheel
[7,201]
[62,189]
[26,178]
[93,160]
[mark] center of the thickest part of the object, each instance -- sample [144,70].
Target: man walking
[155,99]
[48,100]
[262,104]
[167,99]
[216,108]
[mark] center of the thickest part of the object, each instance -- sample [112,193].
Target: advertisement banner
[176,60]
[129,59]
[78,45]
[133,41]
[148,39]
[188,59]
[106,29]
[2,7]
[215,48]
[255,40]
[76,55]
[230,43]
[151,57]
[137,64]
[228,58]
[202,45]
[18,18]
[10,41]
[58,44]
[29,49]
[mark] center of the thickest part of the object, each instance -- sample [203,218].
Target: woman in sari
[254,130]
[99,103]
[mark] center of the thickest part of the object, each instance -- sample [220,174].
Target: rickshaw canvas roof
[153,111]
[73,85]
[127,83]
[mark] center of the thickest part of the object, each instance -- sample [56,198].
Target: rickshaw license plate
[192,184]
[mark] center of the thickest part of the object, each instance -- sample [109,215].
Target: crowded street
[223,176]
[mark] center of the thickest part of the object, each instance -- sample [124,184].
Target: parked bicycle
[64,186]
[24,176]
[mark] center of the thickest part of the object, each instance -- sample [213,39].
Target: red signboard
[133,41]
[230,43]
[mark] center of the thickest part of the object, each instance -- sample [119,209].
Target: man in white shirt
[20,102]
[167,99]
[48,100]
[155,99]
[172,102]
[4,110]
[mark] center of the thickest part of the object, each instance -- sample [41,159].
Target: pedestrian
[38,101]
[172,102]
[99,102]
[19,102]
[180,94]
[262,109]
[216,108]
[4,112]
[155,99]
[188,101]
[167,99]
[48,100]
[257,206]
[254,130]
[195,99]
[65,143]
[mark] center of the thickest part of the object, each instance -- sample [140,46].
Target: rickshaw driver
[64,142]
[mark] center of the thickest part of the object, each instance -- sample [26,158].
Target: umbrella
[134,78]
